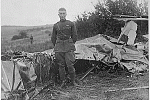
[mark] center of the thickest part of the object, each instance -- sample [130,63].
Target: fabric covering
[26,70]
[7,68]
[21,72]
[101,46]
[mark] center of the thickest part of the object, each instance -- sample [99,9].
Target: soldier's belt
[67,40]
[63,38]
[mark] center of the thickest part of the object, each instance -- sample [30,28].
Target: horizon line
[25,25]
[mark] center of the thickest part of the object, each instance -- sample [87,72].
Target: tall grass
[41,39]
[27,47]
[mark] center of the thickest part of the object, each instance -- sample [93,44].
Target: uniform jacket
[64,36]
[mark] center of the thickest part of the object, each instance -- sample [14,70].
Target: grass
[24,45]
[41,40]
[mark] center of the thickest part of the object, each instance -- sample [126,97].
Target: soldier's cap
[62,9]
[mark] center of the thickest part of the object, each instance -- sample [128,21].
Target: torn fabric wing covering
[97,45]
[13,73]
[26,71]
[130,54]
[101,47]
[7,68]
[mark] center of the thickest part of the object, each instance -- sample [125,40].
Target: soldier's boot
[62,76]
[72,76]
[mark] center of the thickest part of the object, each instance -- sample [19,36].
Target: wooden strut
[132,88]
[40,67]
[13,82]
[93,68]
[18,85]
[87,72]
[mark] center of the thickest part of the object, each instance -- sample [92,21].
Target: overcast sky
[41,12]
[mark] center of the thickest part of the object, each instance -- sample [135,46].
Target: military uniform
[31,38]
[63,38]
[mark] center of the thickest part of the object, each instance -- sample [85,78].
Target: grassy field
[41,39]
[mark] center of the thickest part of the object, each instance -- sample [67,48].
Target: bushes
[22,34]
[101,20]
[47,32]
[15,37]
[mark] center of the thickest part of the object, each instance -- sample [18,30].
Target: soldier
[64,36]
[129,30]
[31,38]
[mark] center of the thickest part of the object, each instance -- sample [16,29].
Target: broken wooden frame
[95,66]
[16,92]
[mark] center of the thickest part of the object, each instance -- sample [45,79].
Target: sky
[41,12]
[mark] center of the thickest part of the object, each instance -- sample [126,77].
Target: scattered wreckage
[22,70]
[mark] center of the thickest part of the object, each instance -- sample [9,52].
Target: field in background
[41,39]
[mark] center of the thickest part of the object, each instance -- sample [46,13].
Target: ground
[97,86]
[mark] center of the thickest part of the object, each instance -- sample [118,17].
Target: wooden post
[87,73]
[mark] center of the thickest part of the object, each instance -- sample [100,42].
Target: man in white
[129,30]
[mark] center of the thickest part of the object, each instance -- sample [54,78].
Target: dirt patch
[97,86]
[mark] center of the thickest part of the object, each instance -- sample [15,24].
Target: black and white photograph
[75,49]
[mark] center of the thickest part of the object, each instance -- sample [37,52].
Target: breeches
[66,59]
[131,37]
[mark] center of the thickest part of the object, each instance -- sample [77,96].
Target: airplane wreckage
[21,70]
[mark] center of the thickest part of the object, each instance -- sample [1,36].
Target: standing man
[31,38]
[64,36]
[129,30]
